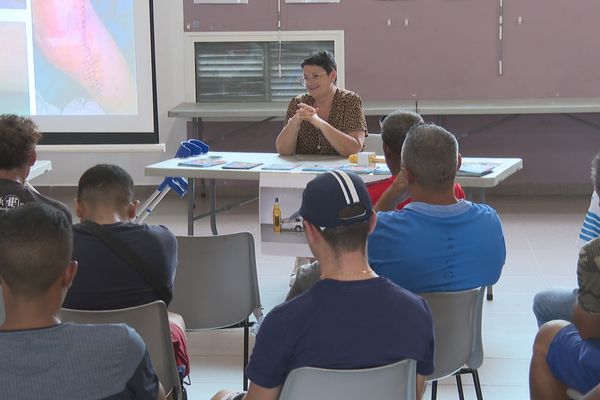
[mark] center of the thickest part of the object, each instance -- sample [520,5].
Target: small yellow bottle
[276,216]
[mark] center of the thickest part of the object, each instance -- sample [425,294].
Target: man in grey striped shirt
[40,357]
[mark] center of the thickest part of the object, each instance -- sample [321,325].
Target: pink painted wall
[449,51]
[450,48]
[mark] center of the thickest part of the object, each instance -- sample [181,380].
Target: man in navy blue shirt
[351,318]
[106,280]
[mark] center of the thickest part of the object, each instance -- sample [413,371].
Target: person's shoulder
[483,209]
[79,228]
[401,297]
[592,249]
[113,347]
[348,96]
[10,185]
[303,303]
[397,290]
[110,338]
[393,215]
[158,230]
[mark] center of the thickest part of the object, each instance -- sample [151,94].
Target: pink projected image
[84,57]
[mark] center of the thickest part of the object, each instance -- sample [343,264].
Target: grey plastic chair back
[394,381]
[1,307]
[457,330]
[151,322]
[216,284]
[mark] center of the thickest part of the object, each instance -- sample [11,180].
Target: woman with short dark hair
[327,119]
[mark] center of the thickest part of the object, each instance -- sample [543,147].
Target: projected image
[14,82]
[84,57]
[12,4]
[68,57]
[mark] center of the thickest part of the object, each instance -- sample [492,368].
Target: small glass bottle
[276,216]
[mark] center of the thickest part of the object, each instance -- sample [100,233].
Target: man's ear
[32,157]
[387,152]
[311,232]
[333,76]
[458,161]
[69,274]
[372,221]
[132,209]
[408,174]
[79,208]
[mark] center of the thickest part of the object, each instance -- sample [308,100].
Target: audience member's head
[18,138]
[338,205]
[394,128]
[323,59]
[430,155]
[107,187]
[596,173]
[36,244]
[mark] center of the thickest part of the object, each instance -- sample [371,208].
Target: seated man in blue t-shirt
[437,242]
[321,327]
[43,358]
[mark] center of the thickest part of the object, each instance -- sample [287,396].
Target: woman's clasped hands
[308,113]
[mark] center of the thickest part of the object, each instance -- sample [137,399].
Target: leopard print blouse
[346,115]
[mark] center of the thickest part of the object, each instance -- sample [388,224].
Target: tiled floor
[540,235]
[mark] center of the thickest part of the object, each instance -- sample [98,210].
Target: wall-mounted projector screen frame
[84,70]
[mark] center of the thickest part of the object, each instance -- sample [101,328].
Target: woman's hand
[309,114]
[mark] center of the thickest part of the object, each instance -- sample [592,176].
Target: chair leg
[490,292]
[477,384]
[459,386]
[246,344]
[434,390]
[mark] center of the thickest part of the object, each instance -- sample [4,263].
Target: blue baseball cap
[331,192]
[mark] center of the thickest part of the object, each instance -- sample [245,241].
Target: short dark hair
[106,183]
[18,138]
[348,238]
[395,126]
[36,245]
[323,59]
[596,173]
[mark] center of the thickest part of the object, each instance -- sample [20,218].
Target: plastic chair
[151,322]
[2,315]
[216,284]
[393,381]
[374,143]
[458,340]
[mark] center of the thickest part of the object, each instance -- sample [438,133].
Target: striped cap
[329,194]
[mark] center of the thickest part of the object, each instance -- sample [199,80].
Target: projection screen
[82,69]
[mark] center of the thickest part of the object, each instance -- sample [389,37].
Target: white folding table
[505,167]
